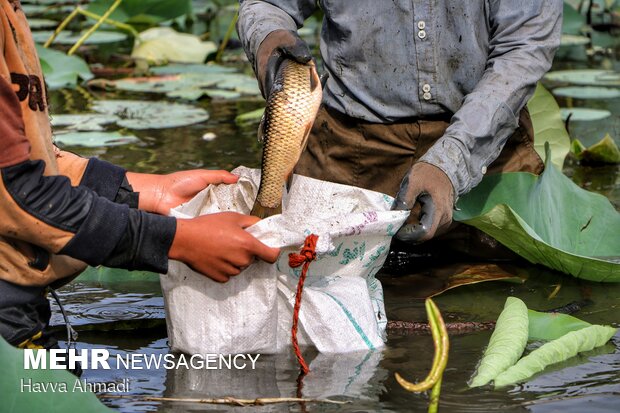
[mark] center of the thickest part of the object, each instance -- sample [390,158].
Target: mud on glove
[428,192]
[273,50]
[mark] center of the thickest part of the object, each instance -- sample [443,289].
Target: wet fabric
[477,61]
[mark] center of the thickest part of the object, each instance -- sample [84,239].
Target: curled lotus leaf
[135,114]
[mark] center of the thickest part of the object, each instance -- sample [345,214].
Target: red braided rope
[305,257]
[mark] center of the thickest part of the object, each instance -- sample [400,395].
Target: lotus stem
[226,38]
[90,31]
[440,359]
[62,26]
[111,22]
[224,400]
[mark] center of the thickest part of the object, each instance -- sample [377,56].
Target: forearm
[49,212]
[521,51]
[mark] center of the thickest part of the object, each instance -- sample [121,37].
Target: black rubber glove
[274,49]
[427,191]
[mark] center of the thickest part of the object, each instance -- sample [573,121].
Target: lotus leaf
[507,342]
[587,92]
[88,122]
[572,20]
[16,400]
[549,326]
[604,151]
[569,40]
[548,126]
[61,70]
[68,38]
[585,77]
[94,139]
[250,117]
[548,220]
[36,24]
[163,44]
[143,11]
[175,69]
[558,350]
[584,114]
[135,114]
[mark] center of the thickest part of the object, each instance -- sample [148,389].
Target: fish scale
[290,113]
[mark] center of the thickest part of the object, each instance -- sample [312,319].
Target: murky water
[124,312]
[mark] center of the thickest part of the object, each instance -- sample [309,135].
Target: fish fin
[263,212]
[289,182]
[304,141]
[314,78]
[323,79]
[261,127]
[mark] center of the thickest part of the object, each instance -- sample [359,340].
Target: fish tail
[263,212]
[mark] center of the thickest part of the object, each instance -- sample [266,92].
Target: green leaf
[587,92]
[86,122]
[16,400]
[162,44]
[249,118]
[507,342]
[572,20]
[69,38]
[549,326]
[584,114]
[563,348]
[143,11]
[94,139]
[548,220]
[60,70]
[604,151]
[135,114]
[585,77]
[548,126]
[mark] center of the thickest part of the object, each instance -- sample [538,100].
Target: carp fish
[291,108]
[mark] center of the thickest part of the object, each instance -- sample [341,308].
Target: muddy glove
[427,191]
[274,49]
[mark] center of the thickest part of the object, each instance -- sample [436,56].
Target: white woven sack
[342,307]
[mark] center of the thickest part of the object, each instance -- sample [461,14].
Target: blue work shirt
[397,60]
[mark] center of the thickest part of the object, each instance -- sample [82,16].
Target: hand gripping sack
[342,305]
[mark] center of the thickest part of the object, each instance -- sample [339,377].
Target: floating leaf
[563,348]
[585,77]
[149,12]
[16,400]
[135,114]
[61,70]
[569,40]
[584,114]
[163,44]
[94,139]
[548,220]
[548,126]
[507,342]
[549,326]
[604,151]
[572,20]
[68,38]
[39,24]
[587,92]
[164,84]
[88,122]
[250,117]
[176,69]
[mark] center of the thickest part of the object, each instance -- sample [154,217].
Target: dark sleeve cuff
[145,244]
[103,177]
[100,233]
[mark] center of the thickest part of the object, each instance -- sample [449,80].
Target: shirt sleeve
[524,38]
[258,18]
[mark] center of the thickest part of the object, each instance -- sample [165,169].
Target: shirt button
[421,34]
[421,24]
[426,88]
[427,96]
[483,170]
